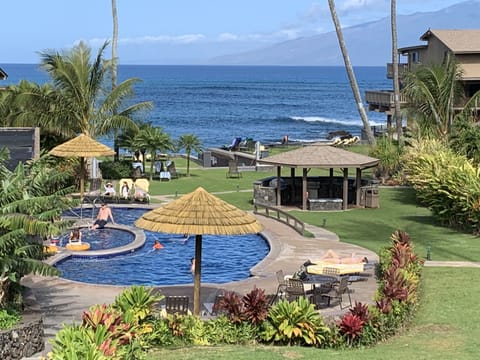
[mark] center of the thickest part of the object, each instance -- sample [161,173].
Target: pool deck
[63,301]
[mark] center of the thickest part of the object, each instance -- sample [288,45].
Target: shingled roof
[320,156]
[458,41]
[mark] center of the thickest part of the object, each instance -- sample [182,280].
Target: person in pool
[102,218]
[75,236]
[157,245]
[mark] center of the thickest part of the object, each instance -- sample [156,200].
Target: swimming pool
[224,259]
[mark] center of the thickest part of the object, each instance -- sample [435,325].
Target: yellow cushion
[343,269]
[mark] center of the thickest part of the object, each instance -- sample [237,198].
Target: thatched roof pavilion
[322,157]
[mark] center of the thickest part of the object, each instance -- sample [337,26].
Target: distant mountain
[368,44]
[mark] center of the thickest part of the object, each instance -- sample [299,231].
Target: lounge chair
[176,305]
[121,195]
[233,170]
[109,194]
[142,187]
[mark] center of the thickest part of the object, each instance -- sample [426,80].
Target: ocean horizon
[265,103]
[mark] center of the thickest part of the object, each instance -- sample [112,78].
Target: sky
[179,31]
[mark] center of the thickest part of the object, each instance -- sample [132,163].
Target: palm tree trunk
[116,147]
[351,75]
[396,83]
[188,163]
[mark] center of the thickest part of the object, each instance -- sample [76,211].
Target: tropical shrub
[389,152]
[8,318]
[252,307]
[116,169]
[294,323]
[32,198]
[439,177]
[138,301]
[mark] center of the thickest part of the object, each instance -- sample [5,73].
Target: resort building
[464,45]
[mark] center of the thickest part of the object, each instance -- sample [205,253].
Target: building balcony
[382,100]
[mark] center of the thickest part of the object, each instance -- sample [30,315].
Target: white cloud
[359,4]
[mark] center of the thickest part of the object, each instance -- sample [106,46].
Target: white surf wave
[320,119]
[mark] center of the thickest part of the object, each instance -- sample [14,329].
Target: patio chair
[282,284]
[176,305]
[212,309]
[338,291]
[294,289]
[233,170]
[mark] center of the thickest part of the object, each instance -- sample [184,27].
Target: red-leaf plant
[255,306]
[232,305]
[361,310]
[351,326]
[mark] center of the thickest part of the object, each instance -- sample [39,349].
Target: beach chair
[233,170]
[176,305]
[107,195]
[121,196]
[142,190]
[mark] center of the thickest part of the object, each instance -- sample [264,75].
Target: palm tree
[189,142]
[114,70]
[32,198]
[84,105]
[396,83]
[152,139]
[431,93]
[351,75]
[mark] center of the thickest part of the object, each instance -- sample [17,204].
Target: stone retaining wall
[23,340]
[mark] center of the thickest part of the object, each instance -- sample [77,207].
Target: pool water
[102,239]
[224,259]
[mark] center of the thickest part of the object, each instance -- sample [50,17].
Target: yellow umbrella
[82,146]
[199,213]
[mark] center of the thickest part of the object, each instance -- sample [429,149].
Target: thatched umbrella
[82,146]
[199,213]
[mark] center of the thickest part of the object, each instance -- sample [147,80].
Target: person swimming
[157,245]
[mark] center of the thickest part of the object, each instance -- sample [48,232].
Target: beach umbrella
[199,213]
[82,146]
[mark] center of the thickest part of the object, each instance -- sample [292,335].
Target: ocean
[265,103]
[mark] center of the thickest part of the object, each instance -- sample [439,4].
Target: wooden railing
[281,216]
